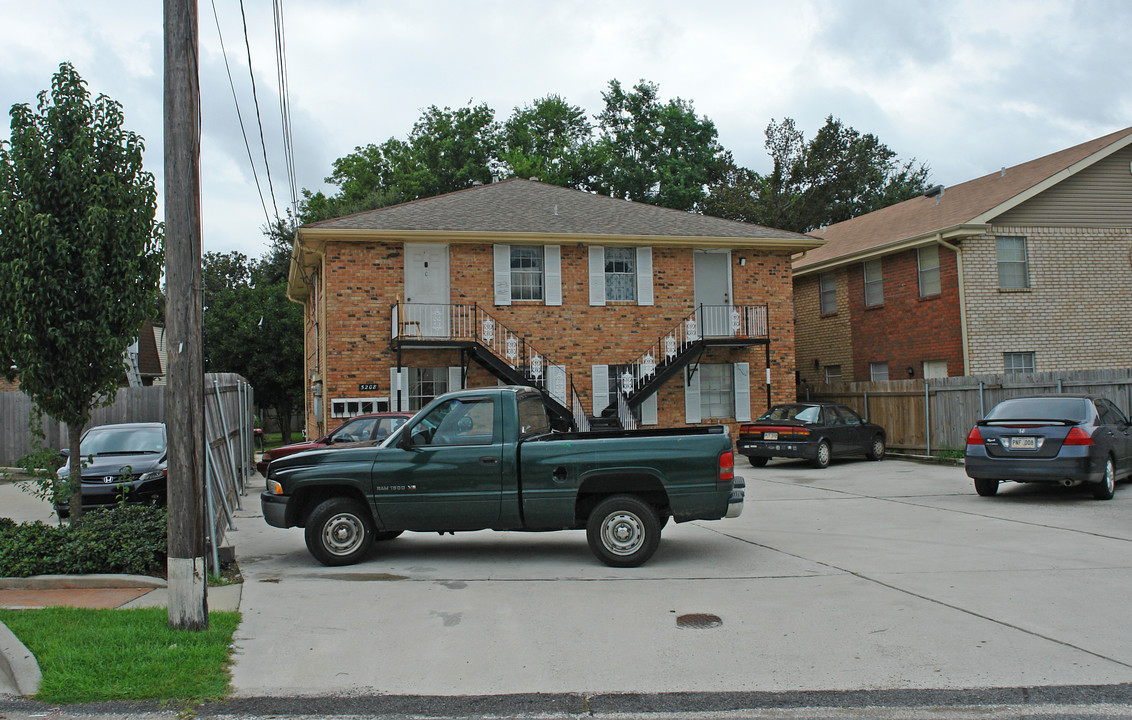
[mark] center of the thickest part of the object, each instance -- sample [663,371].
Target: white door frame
[712,323]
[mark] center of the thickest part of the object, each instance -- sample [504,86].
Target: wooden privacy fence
[931,415]
[229,439]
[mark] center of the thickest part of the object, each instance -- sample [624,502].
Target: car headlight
[152,475]
[267,456]
[274,487]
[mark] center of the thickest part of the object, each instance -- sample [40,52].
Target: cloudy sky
[964,86]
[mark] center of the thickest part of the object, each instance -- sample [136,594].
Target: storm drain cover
[698,621]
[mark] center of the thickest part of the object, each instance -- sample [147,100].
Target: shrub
[124,539]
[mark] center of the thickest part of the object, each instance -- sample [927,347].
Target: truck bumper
[274,509]
[735,502]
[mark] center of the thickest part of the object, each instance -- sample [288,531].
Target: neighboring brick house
[578,294]
[1027,269]
[144,360]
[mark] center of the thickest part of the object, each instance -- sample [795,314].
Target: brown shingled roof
[958,205]
[532,207]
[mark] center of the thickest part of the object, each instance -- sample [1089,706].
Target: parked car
[814,431]
[361,428]
[486,458]
[1063,439]
[127,462]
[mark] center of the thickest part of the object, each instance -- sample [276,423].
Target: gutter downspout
[962,300]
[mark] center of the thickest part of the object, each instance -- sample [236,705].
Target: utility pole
[184,397]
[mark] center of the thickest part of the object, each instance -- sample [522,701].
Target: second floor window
[874,283]
[620,274]
[927,259]
[1013,267]
[827,283]
[526,272]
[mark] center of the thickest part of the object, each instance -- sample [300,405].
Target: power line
[239,115]
[285,102]
[258,119]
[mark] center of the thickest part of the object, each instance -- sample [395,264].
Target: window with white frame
[878,371]
[349,407]
[526,272]
[1013,267]
[832,373]
[620,273]
[425,384]
[717,391]
[935,369]
[827,283]
[927,260]
[874,283]
[1016,363]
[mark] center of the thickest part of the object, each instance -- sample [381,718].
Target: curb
[17,662]
[82,582]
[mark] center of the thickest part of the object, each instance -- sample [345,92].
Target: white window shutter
[455,378]
[600,374]
[648,410]
[552,256]
[742,392]
[502,274]
[692,412]
[644,276]
[597,275]
[397,390]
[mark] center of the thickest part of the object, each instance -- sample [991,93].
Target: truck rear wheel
[339,531]
[623,531]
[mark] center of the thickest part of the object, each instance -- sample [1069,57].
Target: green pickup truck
[487,459]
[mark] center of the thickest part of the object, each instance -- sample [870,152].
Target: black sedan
[815,431]
[1064,439]
[124,463]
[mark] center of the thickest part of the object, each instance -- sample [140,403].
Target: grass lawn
[95,655]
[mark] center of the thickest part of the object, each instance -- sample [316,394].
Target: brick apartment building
[687,319]
[1025,270]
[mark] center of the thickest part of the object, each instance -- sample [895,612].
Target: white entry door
[427,308]
[712,269]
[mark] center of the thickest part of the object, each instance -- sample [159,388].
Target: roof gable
[973,202]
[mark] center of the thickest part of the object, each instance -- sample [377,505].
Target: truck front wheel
[623,531]
[339,531]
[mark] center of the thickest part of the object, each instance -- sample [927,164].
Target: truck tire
[339,532]
[623,531]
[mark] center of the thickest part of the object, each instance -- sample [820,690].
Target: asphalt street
[868,589]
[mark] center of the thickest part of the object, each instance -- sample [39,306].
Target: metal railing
[706,322]
[427,321]
[578,410]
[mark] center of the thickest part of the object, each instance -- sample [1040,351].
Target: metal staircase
[482,339]
[683,345]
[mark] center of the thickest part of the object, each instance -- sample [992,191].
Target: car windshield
[122,441]
[1045,408]
[801,413]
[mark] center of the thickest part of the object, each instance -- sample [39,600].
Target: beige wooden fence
[927,416]
[229,441]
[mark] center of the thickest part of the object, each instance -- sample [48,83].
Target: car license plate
[770,436]
[1023,443]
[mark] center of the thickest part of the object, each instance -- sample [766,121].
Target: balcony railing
[470,323]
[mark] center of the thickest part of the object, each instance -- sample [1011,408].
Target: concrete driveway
[862,576]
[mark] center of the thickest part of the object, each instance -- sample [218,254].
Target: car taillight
[975,437]
[727,466]
[1077,436]
[746,428]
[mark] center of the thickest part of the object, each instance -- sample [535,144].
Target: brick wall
[906,330]
[821,340]
[363,280]
[1076,313]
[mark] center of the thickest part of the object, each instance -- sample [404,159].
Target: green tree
[549,139]
[654,152]
[251,328]
[838,175]
[80,252]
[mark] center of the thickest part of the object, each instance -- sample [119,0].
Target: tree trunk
[75,433]
[283,415]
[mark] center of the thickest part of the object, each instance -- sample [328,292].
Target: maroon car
[362,428]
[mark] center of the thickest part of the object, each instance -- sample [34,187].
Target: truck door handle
[489,460]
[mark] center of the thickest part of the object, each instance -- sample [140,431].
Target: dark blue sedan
[1062,439]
